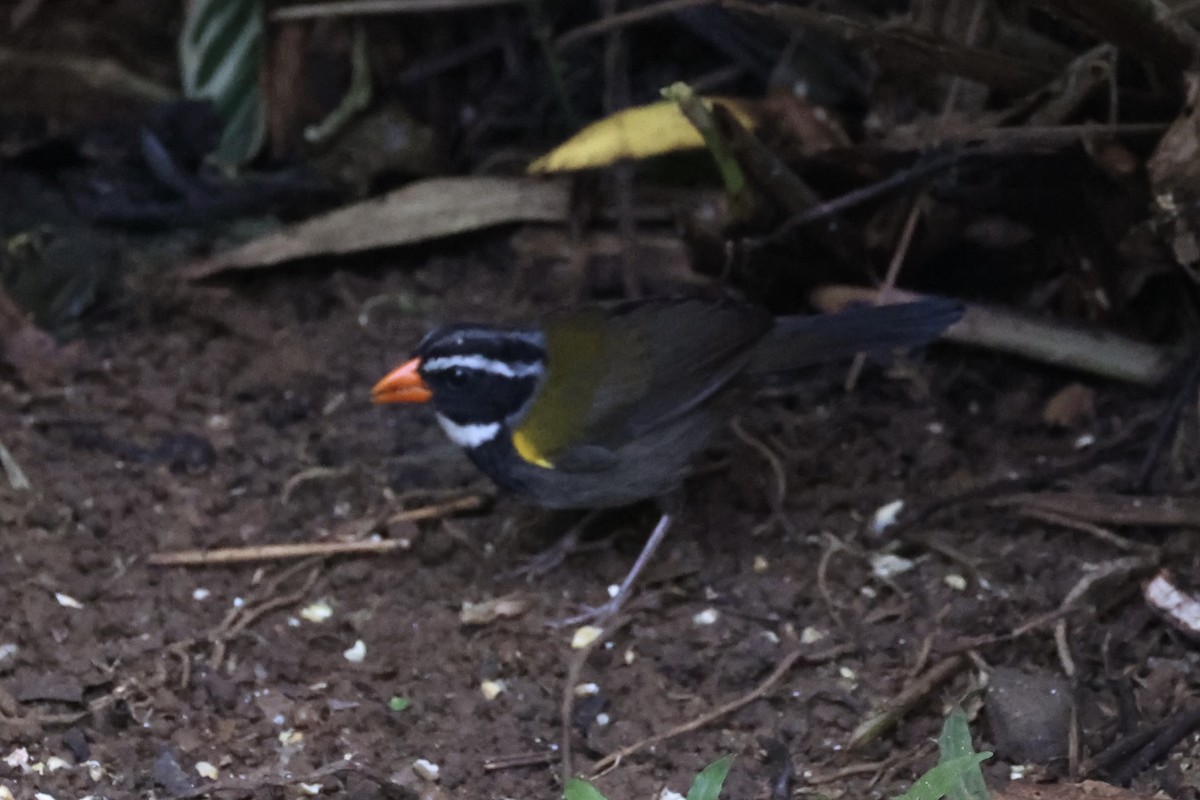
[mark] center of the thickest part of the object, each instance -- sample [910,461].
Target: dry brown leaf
[1175,163]
[417,213]
[488,611]
[1175,605]
[1071,406]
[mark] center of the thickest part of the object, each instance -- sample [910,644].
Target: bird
[608,404]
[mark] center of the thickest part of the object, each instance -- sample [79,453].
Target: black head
[480,375]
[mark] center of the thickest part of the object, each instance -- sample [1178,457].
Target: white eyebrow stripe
[470,435]
[483,364]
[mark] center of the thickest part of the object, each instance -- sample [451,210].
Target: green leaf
[220,57]
[946,779]
[399,703]
[955,742]
[581,790]
[707,785]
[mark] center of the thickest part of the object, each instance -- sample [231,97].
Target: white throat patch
[471,435]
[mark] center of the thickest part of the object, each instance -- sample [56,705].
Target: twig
[857,197]
[1168,735]
[784,665]
[104,74]
[1029,626]
[238,619]
[626,19]
[308,475]
[833,545]
[898,706]
[776,469]
[1103,534]
[889,280]
[355,8]
[275,552]
[1141,28]
[534,759]
[471,502]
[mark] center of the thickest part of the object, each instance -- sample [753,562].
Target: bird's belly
[650,466]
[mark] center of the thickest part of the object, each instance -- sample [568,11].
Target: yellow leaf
[633,133]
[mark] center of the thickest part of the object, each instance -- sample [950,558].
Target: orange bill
[402,385]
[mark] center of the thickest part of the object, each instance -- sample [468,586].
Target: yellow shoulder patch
[527,450]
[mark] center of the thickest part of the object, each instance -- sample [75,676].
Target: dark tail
[802,341]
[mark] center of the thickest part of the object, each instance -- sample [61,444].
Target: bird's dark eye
[457,377]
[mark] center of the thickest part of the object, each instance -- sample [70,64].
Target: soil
[236,414]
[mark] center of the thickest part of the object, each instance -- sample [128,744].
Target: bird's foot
[550,559]
[605,613]
[597,616]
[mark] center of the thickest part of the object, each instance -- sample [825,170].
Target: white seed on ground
[357,653]
[887,565]
[66,601]
[317,612]
[886,516]
[426,769]
[585,635]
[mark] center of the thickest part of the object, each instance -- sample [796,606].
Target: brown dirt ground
[194,416]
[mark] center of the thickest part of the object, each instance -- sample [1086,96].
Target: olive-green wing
[616,373]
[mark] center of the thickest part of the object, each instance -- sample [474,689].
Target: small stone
[167,773]
[492,689]
[75,741]
[1030,715]
[206,770]
[708,616]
